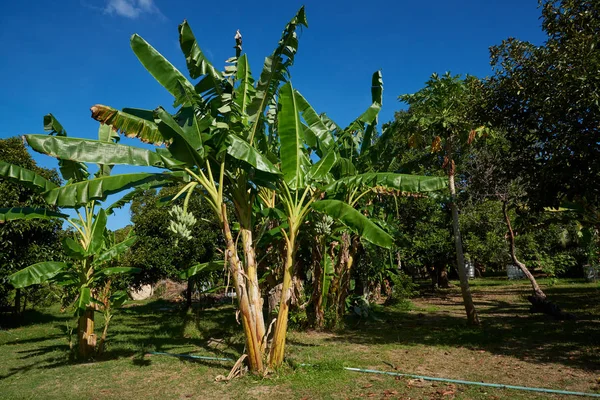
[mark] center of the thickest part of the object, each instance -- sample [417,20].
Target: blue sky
[64,56]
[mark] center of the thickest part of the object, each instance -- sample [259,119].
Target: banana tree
[214,139]
[88,252]
[346,173]
[241,144]
[313,185]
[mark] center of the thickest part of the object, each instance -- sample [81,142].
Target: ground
[427,337]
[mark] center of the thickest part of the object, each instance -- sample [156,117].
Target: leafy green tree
[24,242]
[547,100]
[440,114]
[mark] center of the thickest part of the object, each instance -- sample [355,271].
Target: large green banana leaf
[354,220]
[130,122]
[9,214]
[36,273]
[320,170]
[377,98]
[97,236]
[70,170]
[159,67]
[315,124]
[389,180]
[186,145]
[73,248]
[245,91]
[25,177]
[294,162]
[85,296]
[79,193]
[114,251]
[204,267]
[106,134]
[197,63]
[275,72]
[95,151]
[241,150]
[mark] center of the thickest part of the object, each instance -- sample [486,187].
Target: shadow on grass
[135,331]
[507,328]
[29,317]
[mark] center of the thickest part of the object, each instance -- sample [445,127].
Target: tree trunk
[85,334]
[347,275]
[442,276]
[104,334]
[278,345]
[336,282]
[472,316]
[317,294]
[537,292]
[254,297]
[17,309]
[189,292]
[253,342]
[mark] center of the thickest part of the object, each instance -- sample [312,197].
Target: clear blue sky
[64,56]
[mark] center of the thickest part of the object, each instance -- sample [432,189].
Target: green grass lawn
[429,338]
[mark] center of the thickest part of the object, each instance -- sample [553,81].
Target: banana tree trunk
[336,282]
[472,317]
[254,297]
[317,294]
[347,274]
[538,294]
[253,341]
[86,336]
[278,344]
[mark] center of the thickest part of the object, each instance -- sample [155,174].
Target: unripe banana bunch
[323,226]
[181,222]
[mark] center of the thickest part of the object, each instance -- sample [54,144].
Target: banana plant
[308,185]
[244,144]
[214,139]
[89,252]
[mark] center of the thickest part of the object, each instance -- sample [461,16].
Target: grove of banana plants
[240,192]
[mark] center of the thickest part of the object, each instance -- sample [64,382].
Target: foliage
[547,99]
[25,242]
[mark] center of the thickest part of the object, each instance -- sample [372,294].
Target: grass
[430,338]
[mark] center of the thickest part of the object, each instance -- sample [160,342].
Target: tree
[492,177]
[546,99]
[440,115]
[91,251]
[23,243]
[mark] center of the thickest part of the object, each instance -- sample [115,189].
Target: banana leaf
[241,150]
[36,273]
[130,122]
[79,193]
[158,66]
[25,177]
[10,214]
[354,220]
[294,161]
[389,180]
[204,267]
[114,251]
[95,151]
